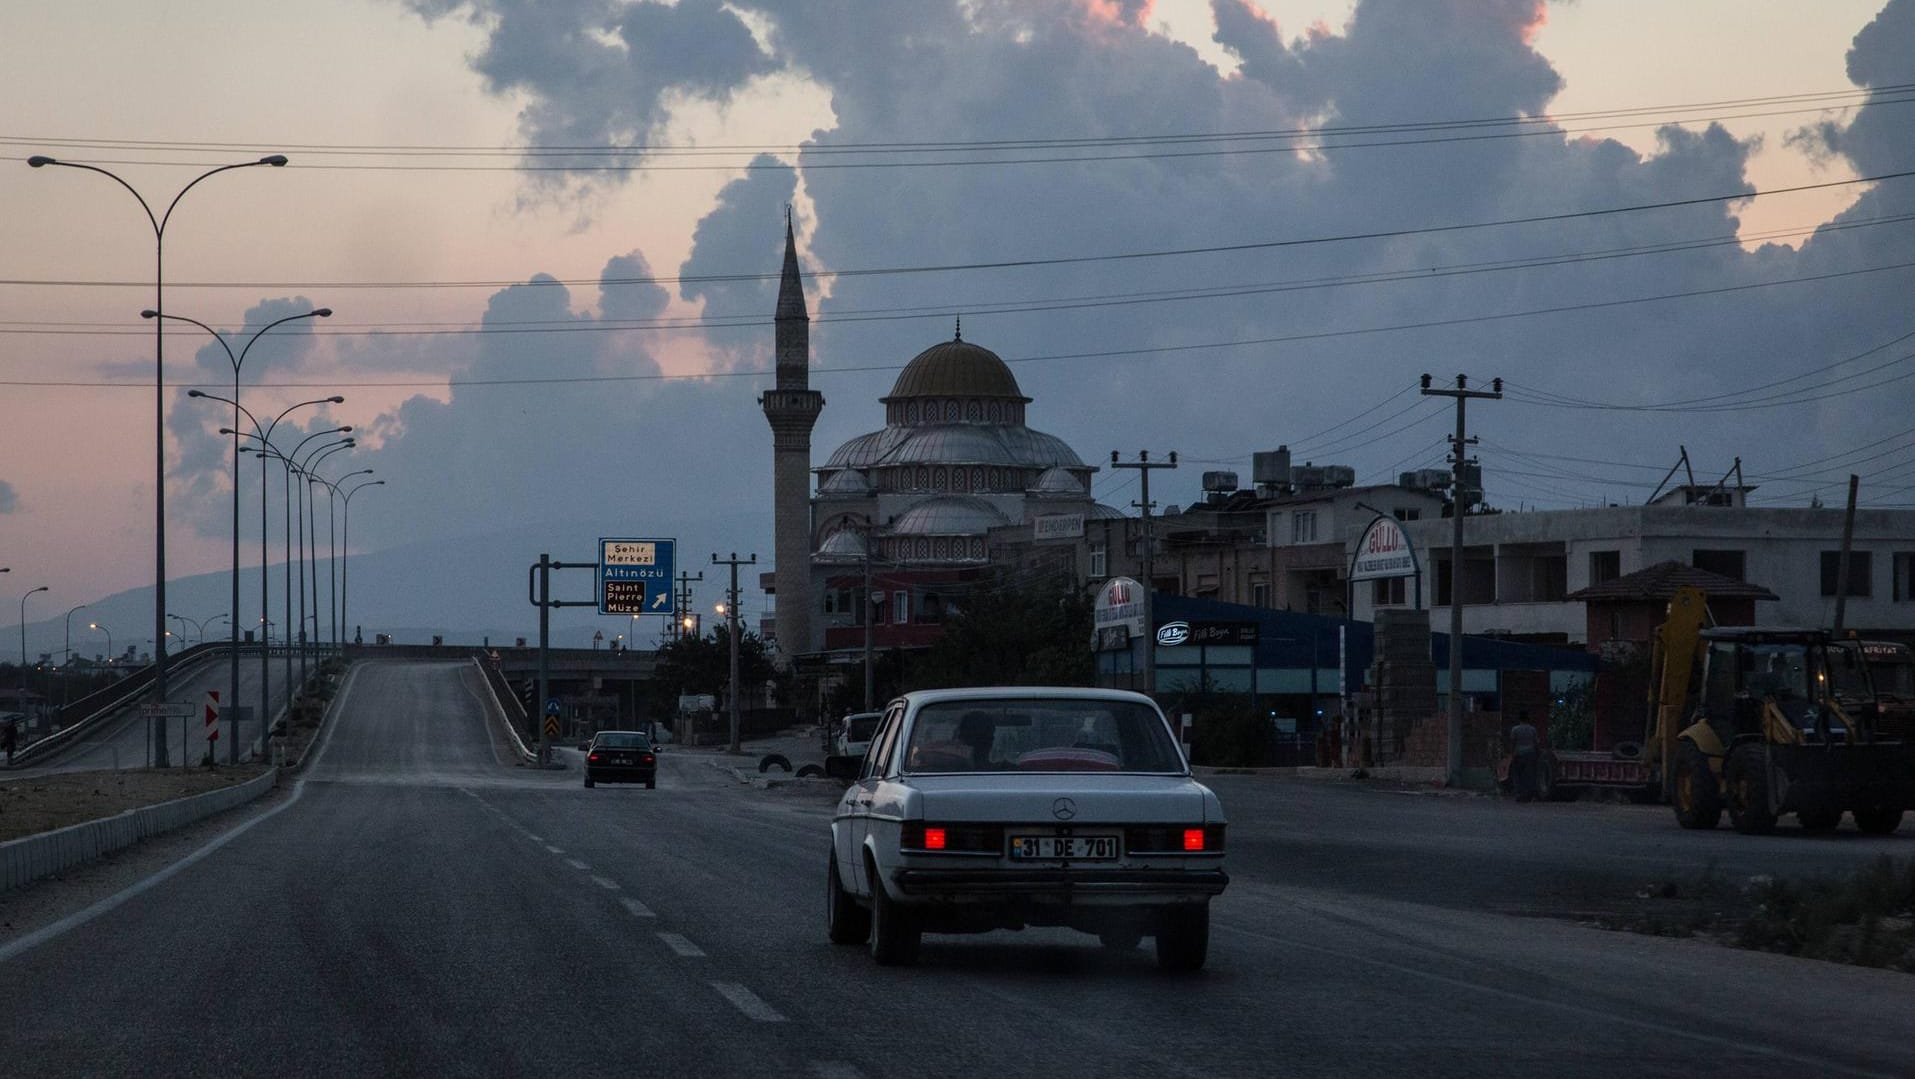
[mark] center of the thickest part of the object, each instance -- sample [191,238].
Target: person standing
[1525,762]
[9,738]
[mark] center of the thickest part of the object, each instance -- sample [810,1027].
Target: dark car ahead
[621,757]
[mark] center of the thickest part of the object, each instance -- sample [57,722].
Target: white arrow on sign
[659,600]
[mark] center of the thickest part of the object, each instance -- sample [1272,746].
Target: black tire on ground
[845,921]
[651,783]
[809,771]
[769,759]
[1183,938]
[1820,818]
[1121,940]
[1877,820]
[895,934]
[588,781]
[1747,773]
[1697,799]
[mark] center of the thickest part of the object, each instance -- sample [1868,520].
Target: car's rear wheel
[651,783]
[845,921]
[895,934]
[1183,938]
[588,780]
[1878,819]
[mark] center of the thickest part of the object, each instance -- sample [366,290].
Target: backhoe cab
[1787,722]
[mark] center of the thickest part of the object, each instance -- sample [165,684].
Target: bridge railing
[82,715]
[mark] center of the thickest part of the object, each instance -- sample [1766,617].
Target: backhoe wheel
[1747,773]
[1698,802]
[1877,820]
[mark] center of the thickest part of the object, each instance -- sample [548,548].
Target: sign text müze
[635,575]
[1383,550]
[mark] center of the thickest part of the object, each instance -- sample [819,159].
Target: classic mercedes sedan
[1000,808]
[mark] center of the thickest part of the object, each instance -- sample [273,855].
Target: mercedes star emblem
[1063,809]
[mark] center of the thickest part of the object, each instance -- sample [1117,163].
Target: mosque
[920,496]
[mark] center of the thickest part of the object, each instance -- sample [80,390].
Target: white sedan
[998,808]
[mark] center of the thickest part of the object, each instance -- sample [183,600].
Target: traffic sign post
[635,575]
[212,721]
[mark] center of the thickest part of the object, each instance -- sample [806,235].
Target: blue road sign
[635,575]
[552,707]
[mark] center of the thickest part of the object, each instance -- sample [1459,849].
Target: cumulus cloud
[1645,307]
[9,498]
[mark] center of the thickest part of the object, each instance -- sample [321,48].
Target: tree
[1012,633]
[702,665]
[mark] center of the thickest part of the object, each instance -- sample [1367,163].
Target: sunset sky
[447,152]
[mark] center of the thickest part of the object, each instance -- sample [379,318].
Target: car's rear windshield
[863,727]
[1040,735]
[621,740]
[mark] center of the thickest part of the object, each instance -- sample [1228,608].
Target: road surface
[423,907]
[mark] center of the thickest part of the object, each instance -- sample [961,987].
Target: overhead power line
[1024,263]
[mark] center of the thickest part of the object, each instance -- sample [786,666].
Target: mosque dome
[956,369]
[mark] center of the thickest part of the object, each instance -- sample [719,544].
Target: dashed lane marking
[748,1002]
[683,947]
[635,908]
[608,885]
[576,864]
[553,849]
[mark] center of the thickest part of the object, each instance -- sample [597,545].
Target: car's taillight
[1173,839]
[649,759]
[591,756]
[951,838]
[1193,839]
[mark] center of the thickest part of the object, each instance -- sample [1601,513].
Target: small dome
[1057,481]
[845,481]
[1101,512]
[844,543]
[959,369]
[859,452]
[948,515]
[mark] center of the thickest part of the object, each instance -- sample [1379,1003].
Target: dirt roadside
[44,803]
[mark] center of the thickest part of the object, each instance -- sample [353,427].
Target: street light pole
[345,540]
[232,653]
[66,653]
[158,729]
[23,646]
[731,621]
[109,640]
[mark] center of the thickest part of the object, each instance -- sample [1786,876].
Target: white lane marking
[635,908]
[835,1069]
[532,837]
[576,864]
[47,932]
[608,885]
[747,1001]
[553,849]
[682,946]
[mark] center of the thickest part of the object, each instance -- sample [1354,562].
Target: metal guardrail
[510,709]
[102,704]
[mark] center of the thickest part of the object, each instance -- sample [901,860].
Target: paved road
[422,907]
[122,742]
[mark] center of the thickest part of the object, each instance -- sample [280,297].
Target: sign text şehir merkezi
[635,575]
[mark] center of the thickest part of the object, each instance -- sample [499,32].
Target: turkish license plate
[1080,848]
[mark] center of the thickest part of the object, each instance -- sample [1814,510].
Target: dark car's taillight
[1174,839]
[591,756]
[649,759]
[933,838]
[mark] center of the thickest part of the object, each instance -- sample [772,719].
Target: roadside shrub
[1227,733]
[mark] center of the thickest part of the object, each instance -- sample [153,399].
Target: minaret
[792,408]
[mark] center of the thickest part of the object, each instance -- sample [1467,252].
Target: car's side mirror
[656,748]
[843,767]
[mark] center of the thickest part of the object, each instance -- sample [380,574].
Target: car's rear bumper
[600,774]
[1064,885]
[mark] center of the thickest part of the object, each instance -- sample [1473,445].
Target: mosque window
[911,412]
[950,411]
[974,411]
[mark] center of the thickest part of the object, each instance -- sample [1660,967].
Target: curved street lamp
[109,639]
[66,657]
[332,539]
[159,409]
[23,645]
[232,700]
[345,538]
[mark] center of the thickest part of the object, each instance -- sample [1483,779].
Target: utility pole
[683,605]
[731,623]
[1842,560]
[1143,464]
[1459,460]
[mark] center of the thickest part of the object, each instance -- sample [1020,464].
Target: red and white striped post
[212,720]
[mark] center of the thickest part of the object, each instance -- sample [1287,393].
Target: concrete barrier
[31,857]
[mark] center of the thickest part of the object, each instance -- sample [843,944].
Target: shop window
[1859,572]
